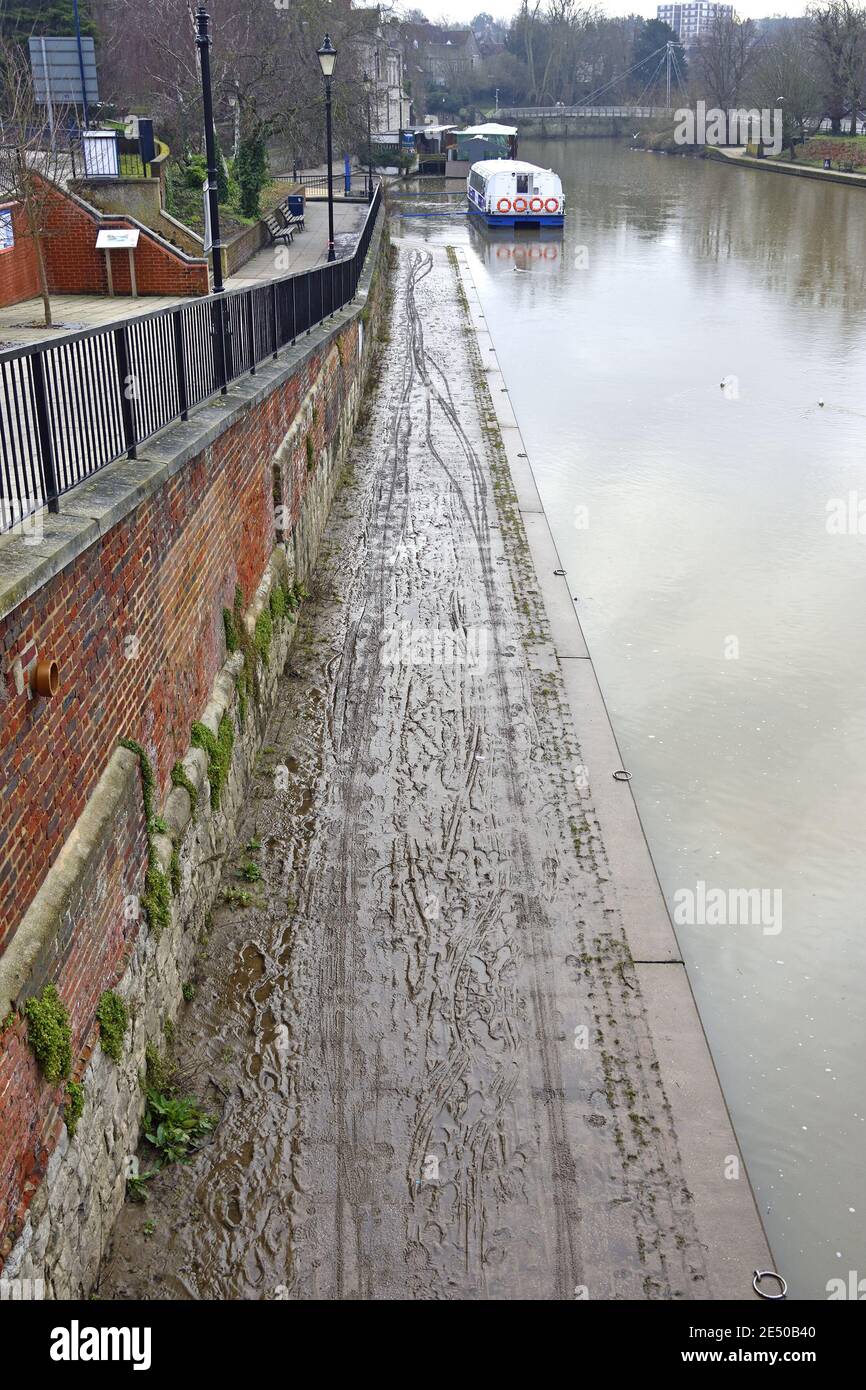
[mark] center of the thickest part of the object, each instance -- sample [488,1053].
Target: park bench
[279,229]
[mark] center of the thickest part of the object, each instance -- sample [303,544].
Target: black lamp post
[221,353]
[368,86]
[327,56]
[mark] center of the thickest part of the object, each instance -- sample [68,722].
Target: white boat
[512,193]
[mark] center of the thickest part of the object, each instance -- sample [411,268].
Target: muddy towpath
[423,1030]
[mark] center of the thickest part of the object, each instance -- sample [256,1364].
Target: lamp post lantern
[327,56]
[368,85]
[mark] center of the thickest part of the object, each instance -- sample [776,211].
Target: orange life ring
[536,204]
[522,205]
[552,205]
[504,205]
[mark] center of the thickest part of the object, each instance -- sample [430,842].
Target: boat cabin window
[523,183]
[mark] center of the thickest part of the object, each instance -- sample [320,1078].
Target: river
[667,358]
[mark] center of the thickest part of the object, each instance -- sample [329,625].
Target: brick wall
[19,277]
[155,585]
[135,623]
[76,267]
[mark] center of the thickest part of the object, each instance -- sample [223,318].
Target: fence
[316,185]
[71,406]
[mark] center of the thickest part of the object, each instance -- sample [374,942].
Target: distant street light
[327,56]
[368,87]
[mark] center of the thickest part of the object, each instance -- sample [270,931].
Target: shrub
[113,1018]
[49,1034]
[74,1106]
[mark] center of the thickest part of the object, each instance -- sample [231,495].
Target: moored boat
[512,193]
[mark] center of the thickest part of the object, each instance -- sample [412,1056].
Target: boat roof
[508,166]
[491,128]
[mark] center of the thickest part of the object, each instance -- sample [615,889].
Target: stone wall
[151,550]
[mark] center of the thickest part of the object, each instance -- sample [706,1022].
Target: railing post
[219,342]
[248,305]
[274,306]
[43,423]
[121,348]
[180,363]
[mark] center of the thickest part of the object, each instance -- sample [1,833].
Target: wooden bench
[279,229]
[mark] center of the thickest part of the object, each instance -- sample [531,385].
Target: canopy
[490,129]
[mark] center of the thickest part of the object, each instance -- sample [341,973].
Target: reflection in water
[666,376]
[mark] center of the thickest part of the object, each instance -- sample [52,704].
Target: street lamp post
[327,56]
[203,42]
[368,83]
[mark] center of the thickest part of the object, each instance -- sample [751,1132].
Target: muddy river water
[687,363]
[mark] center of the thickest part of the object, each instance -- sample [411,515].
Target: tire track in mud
[408,1114]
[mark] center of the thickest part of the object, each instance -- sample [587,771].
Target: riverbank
[441,1009]
[777,166]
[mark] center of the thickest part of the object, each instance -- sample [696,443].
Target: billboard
[57,71]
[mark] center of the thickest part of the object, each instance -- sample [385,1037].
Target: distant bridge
[527,112]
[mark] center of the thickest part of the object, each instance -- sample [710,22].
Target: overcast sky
[462,11]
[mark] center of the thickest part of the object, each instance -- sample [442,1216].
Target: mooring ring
[621,775]
[769,1274]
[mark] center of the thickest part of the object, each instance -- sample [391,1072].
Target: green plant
[311,453]
[49,1033]
[136,1190]
[188,991]
[278,602]
[149,1228]
[250,871]
[230,630]
[156,900]
[113,1018]
[174,875]
[255,843]
[8,1021]
[158,825]
[180,779]
[219,754]
[158,1069]
[175,1126]
[251,171]
[236,897]
[74,1106]
[264,635]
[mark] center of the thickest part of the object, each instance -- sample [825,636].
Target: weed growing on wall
[113,1018]
[49,1033]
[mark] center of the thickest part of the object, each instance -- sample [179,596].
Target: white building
[380,56]
[690,21]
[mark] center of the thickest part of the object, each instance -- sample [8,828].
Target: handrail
[72,405]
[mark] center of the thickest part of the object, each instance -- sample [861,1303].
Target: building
[440,54]
[690,21]
[380,56]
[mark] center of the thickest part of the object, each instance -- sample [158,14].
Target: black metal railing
[72,405]
[316,185]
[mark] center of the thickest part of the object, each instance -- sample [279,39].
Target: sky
[462,11]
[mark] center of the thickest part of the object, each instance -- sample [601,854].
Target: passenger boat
[511,193]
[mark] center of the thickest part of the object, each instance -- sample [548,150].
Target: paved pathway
[439,1072]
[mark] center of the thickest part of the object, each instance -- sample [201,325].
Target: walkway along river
[440,1050]
[665,361]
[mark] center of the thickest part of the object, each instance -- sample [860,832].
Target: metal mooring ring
[769,1274]
[621,775]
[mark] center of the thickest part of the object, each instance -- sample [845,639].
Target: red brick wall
[161,577]
[19,277]
[76,267]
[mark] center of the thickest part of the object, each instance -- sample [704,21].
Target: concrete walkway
[463,1059]
[21,323]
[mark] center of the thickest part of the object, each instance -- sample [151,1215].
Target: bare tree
[723,58]
[31,161]
[839,39]
[785,76]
